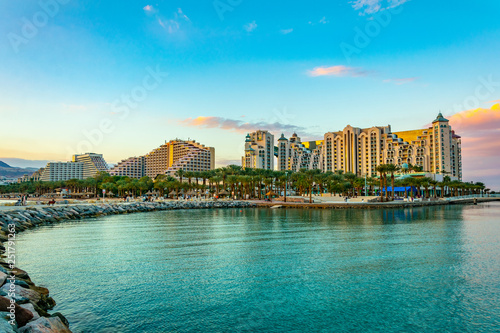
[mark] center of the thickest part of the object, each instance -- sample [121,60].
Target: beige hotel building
[167,159]
[259,151]
[437,149]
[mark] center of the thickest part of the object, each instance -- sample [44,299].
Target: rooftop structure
[259,150]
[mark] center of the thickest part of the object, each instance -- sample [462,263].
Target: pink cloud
[480,132]
[477,120]
[240,126]
[149,9]
[338,71]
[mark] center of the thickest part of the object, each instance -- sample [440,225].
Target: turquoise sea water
[433,269]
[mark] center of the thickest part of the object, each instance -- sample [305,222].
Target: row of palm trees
[446,186]
[258,183]
[255,183]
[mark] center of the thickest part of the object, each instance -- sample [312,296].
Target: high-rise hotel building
[293,154]
[81,167]
[437,149]
[259,151]
[179,154]
[92,164]
[167,159]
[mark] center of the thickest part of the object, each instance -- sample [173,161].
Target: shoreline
[371,205]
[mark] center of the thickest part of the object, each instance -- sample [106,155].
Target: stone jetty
[23,305]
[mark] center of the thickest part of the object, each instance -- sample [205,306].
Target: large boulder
[31,308]
[3,277]
[20,273]
[22,293]
[5,326]
[45,325]
[23,316]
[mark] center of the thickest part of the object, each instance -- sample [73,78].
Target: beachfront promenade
[321,202]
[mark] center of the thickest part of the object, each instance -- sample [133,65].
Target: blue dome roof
[440,118]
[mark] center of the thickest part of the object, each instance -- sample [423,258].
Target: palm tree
[391,168]
[180,173]
[351,178]
[216,181]
[426,182]
[189,175]
[405,182]
[381,169]
[434,183]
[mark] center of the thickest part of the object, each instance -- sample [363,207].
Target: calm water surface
[433,269]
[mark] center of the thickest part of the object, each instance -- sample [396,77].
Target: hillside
[12,172]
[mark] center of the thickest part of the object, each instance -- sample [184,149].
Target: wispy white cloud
[250,26]
[338,71]
[400,81]
[181,14]
[323,20]
[286,31]
[172,24]
[373,6]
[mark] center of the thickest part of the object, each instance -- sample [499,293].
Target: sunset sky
[119,77]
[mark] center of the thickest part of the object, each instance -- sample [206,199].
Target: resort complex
[436,149]
[167,159]
[81,167]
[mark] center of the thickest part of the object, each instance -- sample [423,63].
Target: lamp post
[286,183]
[366,193]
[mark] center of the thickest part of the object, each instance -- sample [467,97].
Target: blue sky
[250,62]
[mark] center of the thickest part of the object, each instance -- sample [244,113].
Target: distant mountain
[22,163]
[11,172]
